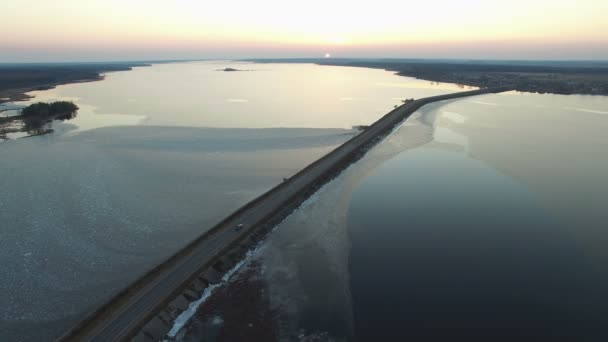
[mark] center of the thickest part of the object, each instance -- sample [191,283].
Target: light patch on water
[585,110]
[485,103]
[355,99]
[425,85]
[87,119]
[11,112]
[446,135]
[455,117]
[304,336]
[237,100]
[217,320]
[16,135]
[393,85]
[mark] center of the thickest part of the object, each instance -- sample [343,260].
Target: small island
[59,110]
[231,70]
[36,118]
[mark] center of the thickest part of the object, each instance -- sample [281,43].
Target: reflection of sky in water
[501,238]
[589,110]
[9,112]
[443,234]
[95,210]
[439,239]
[87,117]
[446,135]
[273,95]
[456,117]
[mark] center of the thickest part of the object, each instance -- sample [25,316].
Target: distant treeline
[577,77]
[41,76]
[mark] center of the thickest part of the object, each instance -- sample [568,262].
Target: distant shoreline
[17,80]
[564,78]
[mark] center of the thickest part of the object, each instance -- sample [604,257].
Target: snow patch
[185,316]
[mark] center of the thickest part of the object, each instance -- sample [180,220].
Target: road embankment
[145,310]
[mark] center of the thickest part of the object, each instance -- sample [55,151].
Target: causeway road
[126,313]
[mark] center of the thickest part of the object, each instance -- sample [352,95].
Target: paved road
[128,313]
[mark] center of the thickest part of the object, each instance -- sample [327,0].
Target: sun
[327,55]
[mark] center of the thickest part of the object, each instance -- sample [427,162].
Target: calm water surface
[493,230]
[155,157]
[260,96]
[478,219]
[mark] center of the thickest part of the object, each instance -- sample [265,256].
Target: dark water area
[481,219]
[445,247]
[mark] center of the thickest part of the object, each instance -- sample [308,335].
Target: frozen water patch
[452,116]
[217,320]
[185,316]
[486,103]
[314,337]
[585,110]
[446,135]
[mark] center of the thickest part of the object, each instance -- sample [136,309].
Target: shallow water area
[156,156]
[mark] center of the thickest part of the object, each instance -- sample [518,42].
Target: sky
[103,30]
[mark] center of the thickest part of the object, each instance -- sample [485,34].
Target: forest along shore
[565,78]
[18,79]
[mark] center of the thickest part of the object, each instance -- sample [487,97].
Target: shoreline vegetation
[18,79]
[554,77]
[36,119]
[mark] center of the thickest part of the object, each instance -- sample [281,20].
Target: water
[484,263]
[260,96]
[480,219]
[155,157]
[492,230]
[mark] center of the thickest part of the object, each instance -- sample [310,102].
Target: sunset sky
[87,30]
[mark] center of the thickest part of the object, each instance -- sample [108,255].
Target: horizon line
[178,60]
